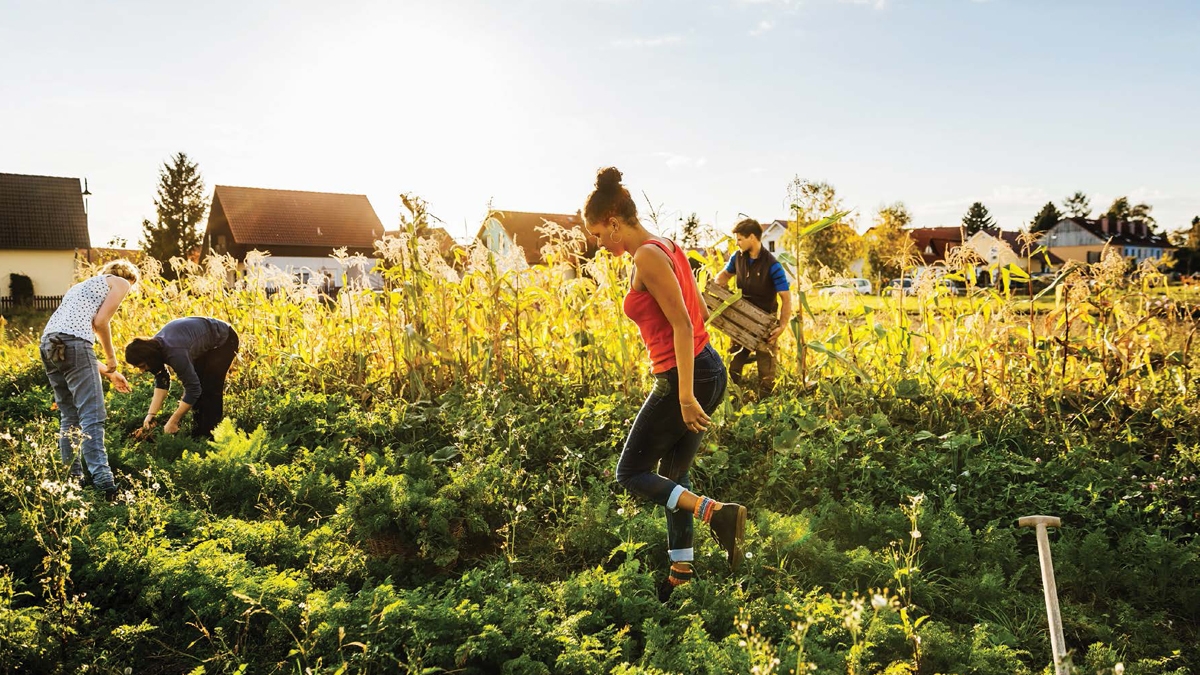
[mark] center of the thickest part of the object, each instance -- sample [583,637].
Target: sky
[707,106]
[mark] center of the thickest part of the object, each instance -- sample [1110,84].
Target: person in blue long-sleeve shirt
[200,350]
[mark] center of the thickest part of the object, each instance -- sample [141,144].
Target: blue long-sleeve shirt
[183,341]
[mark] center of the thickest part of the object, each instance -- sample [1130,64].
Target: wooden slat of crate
[746,324]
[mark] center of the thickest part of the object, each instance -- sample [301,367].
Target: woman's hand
[171,427]
[694,417]
[115,377]
[148,423]
[120,383]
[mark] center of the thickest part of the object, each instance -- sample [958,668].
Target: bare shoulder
[117,283]
[649,254]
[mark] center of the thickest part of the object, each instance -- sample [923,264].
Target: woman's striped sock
[705,509]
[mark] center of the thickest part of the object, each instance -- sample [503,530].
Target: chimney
[1104,225]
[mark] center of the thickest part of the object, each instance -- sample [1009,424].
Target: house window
[1093,256]
[771,246]
[221,243]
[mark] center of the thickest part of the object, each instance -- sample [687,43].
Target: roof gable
[522,229]
[933,243]
[262,217]
[1122,232]
[42,212]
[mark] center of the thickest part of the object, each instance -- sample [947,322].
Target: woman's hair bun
[608,178]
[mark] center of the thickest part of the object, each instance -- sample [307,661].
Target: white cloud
[877,4]
[762,28]
[647,42]
[674,161]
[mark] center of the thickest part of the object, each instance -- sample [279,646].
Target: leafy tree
[1121,209]
[977,219]
[690,237]
[888,244]
[1078,205]
[181,205]
[837,246]
[1047,218]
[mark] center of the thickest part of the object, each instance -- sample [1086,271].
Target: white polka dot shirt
[79,306]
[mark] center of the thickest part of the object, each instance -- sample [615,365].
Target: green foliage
[890,249]
[180,203]
[453,509]
[836,246]
[1047,218]
[977,218]
[1078,205]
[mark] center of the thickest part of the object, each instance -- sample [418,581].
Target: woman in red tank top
[690,379]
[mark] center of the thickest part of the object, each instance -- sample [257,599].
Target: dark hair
[610,198]
[143,351]
[747,227]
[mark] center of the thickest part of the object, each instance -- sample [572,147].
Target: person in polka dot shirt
[69,357]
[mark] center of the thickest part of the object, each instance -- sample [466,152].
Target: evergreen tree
[1047,218]
[181,205]
[977,219]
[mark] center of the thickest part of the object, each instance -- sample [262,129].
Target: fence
[38,303]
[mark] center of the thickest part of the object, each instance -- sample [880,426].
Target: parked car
[858,286]
[904,286]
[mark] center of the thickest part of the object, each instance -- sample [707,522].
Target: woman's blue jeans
[659,450]
[80,397]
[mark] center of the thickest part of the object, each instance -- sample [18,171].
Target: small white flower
[1119,669]
[621,511]
[154,486]
[878,602]
[521,508]
[915,534]
[749,555]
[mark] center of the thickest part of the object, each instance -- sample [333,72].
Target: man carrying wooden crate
[765,285]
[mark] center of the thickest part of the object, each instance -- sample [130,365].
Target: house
[504,232]
[772,236]
[934,244]
[445,243]
[1004,247]
[1084,239]
[42,223]
[298,230]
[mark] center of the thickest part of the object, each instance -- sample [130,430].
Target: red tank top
[653,324]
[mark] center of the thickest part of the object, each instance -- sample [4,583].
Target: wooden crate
[748,325]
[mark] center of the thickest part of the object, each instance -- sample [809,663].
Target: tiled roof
[932,243]
[261,217]
[42,212]
[522,227]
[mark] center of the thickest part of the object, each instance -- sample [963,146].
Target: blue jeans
[659,439]
[80,398]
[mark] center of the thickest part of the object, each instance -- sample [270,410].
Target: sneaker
[728,525]
[110,493]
